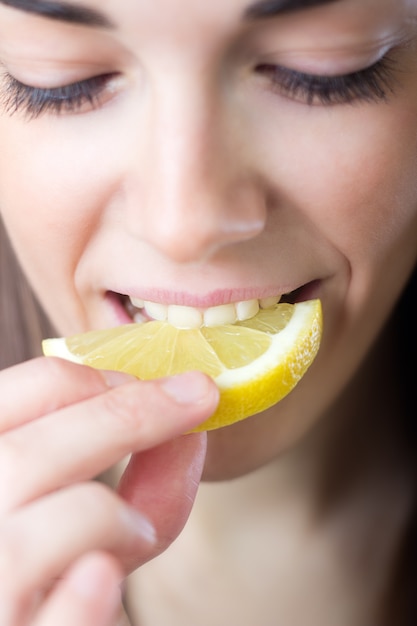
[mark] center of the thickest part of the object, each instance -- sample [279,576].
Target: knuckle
[124,405]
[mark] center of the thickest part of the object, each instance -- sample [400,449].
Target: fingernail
[140,525]
[189,388]
[116,379]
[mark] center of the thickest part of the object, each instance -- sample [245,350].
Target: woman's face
[199,153]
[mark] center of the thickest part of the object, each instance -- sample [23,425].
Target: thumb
[162,484]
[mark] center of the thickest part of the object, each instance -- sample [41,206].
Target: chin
[244,447]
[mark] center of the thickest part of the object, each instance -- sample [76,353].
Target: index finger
[43,385]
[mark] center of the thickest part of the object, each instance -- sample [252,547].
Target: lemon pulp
[254,363]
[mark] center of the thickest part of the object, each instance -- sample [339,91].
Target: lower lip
[309,291]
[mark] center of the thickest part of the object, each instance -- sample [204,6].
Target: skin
[208,185]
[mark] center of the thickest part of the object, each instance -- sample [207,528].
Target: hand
[66,541]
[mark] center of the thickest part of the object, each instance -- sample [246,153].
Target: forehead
[97,12]
[213,23]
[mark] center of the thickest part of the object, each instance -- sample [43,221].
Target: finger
[41,386]
[163,483]
[82,441]
[89,595]
[41,541]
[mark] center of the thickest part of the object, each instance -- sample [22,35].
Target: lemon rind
[306,320]
[275,373]
[57,347]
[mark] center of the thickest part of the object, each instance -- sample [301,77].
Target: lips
[181,316]
[195,317]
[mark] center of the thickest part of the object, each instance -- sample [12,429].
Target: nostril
[193,221]
[195,239]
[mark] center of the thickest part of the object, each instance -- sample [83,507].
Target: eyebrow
[271,8]
[62,11]
[77,14]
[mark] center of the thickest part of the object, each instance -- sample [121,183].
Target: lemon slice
[254,363]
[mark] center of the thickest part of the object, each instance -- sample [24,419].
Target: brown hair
[23,324]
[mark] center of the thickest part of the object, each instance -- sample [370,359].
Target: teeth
[247,309]
[184,316]
[191,317]
[219,315]
[268,303]
[138,303]
[156,311]
[139,318]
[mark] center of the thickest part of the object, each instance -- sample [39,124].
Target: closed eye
[87,94]
[371,84]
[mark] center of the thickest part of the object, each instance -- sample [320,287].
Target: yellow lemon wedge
[254,363]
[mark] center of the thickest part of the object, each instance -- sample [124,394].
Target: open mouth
[189,317]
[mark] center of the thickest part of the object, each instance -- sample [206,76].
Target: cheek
[352,171]
[372,187]
[50,189]
[51,193]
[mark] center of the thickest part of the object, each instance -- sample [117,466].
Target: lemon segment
[254,363]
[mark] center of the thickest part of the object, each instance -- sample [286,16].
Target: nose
[192,190]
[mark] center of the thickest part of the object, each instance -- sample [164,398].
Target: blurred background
[22,322]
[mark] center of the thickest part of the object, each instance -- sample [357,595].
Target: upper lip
[213,298]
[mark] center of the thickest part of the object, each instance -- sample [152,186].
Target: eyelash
[35,101]
[370,85]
